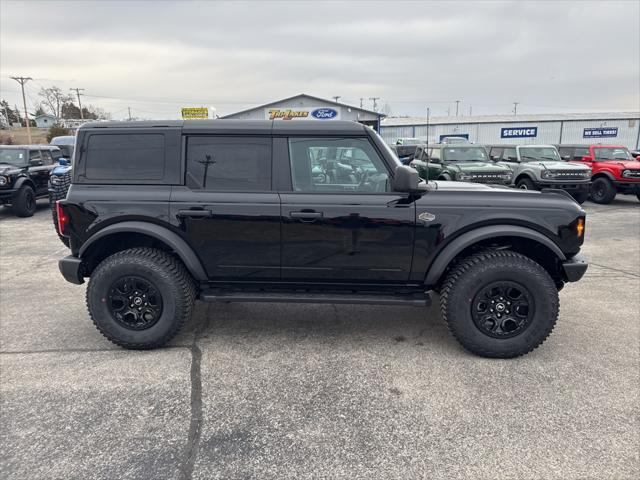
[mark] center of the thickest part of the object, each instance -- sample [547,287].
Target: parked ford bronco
[614,169]
[160,214]
[24,173]
[539,166]
[462,162]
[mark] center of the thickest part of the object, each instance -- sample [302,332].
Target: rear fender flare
[457,245]
[162,234]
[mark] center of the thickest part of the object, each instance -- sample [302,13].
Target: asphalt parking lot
[318,391]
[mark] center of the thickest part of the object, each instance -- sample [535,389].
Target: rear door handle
[195,213]
[306,216]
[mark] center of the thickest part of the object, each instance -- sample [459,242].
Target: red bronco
[614,169]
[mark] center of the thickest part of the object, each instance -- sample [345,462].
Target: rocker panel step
[416,300]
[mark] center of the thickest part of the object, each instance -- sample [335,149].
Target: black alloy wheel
[502,309]
[134,302]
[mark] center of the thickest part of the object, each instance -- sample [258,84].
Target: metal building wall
[549,132]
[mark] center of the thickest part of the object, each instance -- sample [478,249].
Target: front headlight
[463,176]
[587,173]
[549,174]
[3,180]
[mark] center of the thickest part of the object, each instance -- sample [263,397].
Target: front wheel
[24,203]
[602,190]
[140,298]
[581,197]
[526,184]
[499,304]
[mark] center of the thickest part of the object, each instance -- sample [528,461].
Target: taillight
[63,219]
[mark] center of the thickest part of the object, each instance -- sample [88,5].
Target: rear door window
[219,163]
[47,159]
[496,154]
[510,155]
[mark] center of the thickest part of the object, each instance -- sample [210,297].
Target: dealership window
[125,157]
[336,165]
[229,163]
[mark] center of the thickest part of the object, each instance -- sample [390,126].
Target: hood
[631,164]
[6,169]
[553,165]
[479,166]
[457,186]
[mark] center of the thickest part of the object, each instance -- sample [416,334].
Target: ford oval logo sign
[324,113]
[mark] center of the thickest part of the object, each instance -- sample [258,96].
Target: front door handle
[195,213]
[306,216]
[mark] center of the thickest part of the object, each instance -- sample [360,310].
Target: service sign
[519,132]
[308,113]
[600,132]
[199,113]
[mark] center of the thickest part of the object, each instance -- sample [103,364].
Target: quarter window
[229,163]
[336,165]
[125,157]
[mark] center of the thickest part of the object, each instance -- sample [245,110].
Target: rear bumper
[71,269]
[575,267]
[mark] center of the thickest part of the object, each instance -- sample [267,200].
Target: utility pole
[448,112]
[515,108]
[470,110]
[22,81]
[129,113]
[361,99]
[336,98]
[428,115]
[77,90]
[374,99]
[457,105]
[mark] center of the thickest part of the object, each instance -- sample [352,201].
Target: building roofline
[381,115]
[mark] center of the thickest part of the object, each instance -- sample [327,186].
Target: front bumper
[71,269]
[575,267]
[629,187]
[571,187]
[6,195]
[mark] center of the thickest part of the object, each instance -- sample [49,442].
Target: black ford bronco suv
[24,174]
[160,214]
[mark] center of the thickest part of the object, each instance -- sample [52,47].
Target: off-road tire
[603,191]
[526,184]
[581,197]
[24,202]
[170,277]
[470,275]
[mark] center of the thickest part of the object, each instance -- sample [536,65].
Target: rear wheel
[499,304]
[140,298]
[526,184]
[602,190]
[24,202]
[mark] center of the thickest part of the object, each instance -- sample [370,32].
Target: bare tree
[52,100]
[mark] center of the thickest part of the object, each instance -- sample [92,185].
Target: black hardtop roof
[256,127]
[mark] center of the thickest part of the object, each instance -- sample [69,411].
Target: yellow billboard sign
[196,113]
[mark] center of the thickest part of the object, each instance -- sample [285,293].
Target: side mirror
[587,158]
[566,157]
[407,180]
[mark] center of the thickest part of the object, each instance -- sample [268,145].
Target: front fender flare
[21,181]
[162,234]
[457,245]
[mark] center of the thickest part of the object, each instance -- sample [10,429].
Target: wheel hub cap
[502,309]
[134,302]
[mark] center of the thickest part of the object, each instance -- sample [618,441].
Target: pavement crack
[615,269]
[195,423]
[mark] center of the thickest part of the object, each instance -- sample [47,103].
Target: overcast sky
[550,56]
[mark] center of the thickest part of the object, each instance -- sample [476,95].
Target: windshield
[538,154]
[612,153]
[13,156]
[464,154]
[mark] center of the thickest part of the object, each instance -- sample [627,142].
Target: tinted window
[435,154]
[46,157]
[611,153]
[336,165]
[565,153]
[580,152]
[229,163]
[496,154]
[34,155]
[125,157]
[510,155]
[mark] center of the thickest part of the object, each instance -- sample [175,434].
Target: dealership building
[305,107]
[611,128]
